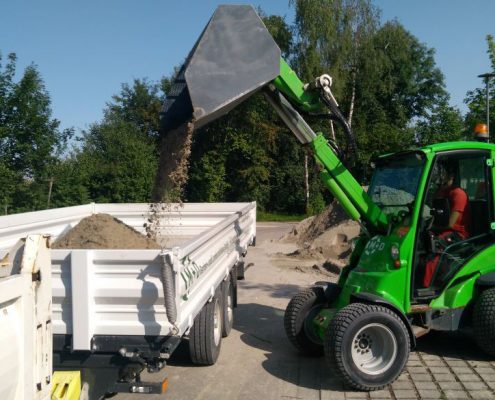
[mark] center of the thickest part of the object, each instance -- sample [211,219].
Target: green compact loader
[367,323]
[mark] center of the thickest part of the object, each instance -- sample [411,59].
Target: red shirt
[458,201]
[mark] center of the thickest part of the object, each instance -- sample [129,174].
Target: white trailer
[116,312]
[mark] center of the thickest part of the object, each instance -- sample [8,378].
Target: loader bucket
[234,56]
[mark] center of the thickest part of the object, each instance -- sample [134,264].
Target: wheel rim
[230,308]
[217,325]
[374,349]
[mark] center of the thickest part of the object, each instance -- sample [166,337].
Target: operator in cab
[459,219]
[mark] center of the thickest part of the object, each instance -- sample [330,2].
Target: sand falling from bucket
[171,177]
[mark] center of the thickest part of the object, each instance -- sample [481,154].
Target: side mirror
[441,212]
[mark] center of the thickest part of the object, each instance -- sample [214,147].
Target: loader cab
[466,196]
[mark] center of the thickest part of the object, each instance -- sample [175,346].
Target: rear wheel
[205,338]
[484,321]
[228,306]
[367,346]
[298,319]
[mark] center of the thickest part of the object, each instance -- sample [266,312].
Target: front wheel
[367,346]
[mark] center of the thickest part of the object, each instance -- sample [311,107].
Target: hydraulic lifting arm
[235,57]
[334,174]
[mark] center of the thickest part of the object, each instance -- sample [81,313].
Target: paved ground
[258,362]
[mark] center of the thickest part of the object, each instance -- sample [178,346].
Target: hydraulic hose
[167,278]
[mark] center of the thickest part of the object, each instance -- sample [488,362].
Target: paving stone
[455,395]
[491,385]
[414,356]
[405,394]
[381,394]
[429,394]
[456,363]
[331,395]
[477,363]
[462,370]
[402,385]
[434,363]
[452,358]
[482,395]
[488,377]
[426,385]
[450,386]
[403,377]
[426,356]
[474,385]
[444,377]
[440,370]
[468,377]
[417,363]
[356,395]
[484,370]
[421,377]
[416,370]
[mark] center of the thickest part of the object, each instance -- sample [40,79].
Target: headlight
[394,252]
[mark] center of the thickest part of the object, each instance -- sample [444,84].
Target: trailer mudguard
[369,298]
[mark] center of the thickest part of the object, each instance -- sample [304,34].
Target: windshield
[395,182]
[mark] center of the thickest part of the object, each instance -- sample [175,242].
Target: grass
[273,217]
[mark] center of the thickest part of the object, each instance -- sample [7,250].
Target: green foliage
[476,99]
[444,125]
[30,139]
[138,104]
[117,162]
[385,81]
[266,216]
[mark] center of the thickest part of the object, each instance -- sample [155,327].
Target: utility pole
[487,78]
[50,185]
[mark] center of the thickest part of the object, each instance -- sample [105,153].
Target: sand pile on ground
[324,238]
[102,231]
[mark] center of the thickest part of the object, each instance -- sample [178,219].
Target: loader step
[419,331]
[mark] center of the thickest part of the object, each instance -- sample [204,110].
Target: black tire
[205,337]
[228,304]
[240,270]
[484,321]
[348,341]
[297,319]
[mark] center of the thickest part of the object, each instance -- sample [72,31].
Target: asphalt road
[258,362]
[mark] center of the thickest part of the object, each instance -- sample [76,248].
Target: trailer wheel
[240,271]
[298,317]
[228,306]
[484,321]
[367,346]
[205,338]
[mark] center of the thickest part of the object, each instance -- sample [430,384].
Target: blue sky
[86,49]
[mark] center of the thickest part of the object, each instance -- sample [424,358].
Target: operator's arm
[458,205]
[458,200]
[454,216]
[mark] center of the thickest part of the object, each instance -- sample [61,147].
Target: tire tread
[335,335]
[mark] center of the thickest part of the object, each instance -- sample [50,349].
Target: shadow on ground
[281,291]
[456,345]
[262,328]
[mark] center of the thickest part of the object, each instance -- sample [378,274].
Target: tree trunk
[332,131]
[353,98]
